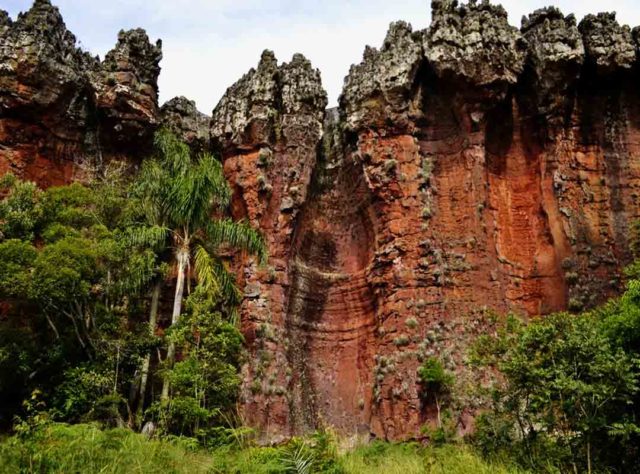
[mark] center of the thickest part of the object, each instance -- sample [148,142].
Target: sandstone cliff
[63,113]
[470,168]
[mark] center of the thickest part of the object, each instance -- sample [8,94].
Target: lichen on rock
[181,116]
[555,54]
[609,46]
[126,86]
[379,89]
[474,42]
[251,112]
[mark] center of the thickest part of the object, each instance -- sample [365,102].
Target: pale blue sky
[209,44]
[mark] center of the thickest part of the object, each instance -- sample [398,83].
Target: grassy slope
[87,449]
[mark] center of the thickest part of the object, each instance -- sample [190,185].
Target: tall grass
[59,448]
[409,458]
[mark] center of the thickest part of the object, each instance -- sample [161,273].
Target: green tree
[70,284]
[205,382]
[436,383]
[567,383]
[181,197]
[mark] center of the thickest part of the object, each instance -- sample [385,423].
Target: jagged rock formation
[181,116]
[268,126]
[472,167]
[466,171]
[63,112]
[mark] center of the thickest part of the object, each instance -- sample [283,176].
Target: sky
[210,44]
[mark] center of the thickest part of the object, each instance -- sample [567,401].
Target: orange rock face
[438,197]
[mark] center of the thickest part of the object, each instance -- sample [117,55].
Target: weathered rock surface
[555,56]
[379,91]
[268,126]
[608,45]
[474,42]
[126,88]
[471,168]
[181,116]
[467,171]
[64,113]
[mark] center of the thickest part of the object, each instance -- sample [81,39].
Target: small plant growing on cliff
[390,165]
[264,157]
[411,323]
[436,383]
[263,185]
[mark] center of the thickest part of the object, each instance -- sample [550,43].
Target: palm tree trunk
[182,257]
[153,322]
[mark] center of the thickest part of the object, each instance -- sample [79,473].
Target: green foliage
[434,377]
[72,311]
[21,210]
[58,448]
[16,260]
[78,265]
[178,196]
[205,382]
[569,392]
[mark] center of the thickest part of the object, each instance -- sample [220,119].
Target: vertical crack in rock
[331,310]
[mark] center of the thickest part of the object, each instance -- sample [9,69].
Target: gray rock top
[552,38]
[301,88]
[249,112]
[381,83]
[474,42]
[608,45]
[5,20]
[135,53]
[555,53]
[181,116]
[39,59]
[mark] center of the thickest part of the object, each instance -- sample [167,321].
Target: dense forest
[120,314]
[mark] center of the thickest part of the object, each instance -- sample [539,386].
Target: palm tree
[180,199]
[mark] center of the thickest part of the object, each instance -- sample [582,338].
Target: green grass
[409,458]
[83,449]
[59,448]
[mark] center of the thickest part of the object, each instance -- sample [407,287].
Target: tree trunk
[182,257]
[153,322]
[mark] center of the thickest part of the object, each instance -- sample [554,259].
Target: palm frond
[204,268]
[213,276]
[298,459]
[153,236]
[227,282]
[220,191]
[172,151]
[239,235]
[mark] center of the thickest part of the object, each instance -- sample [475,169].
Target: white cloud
[209,44]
